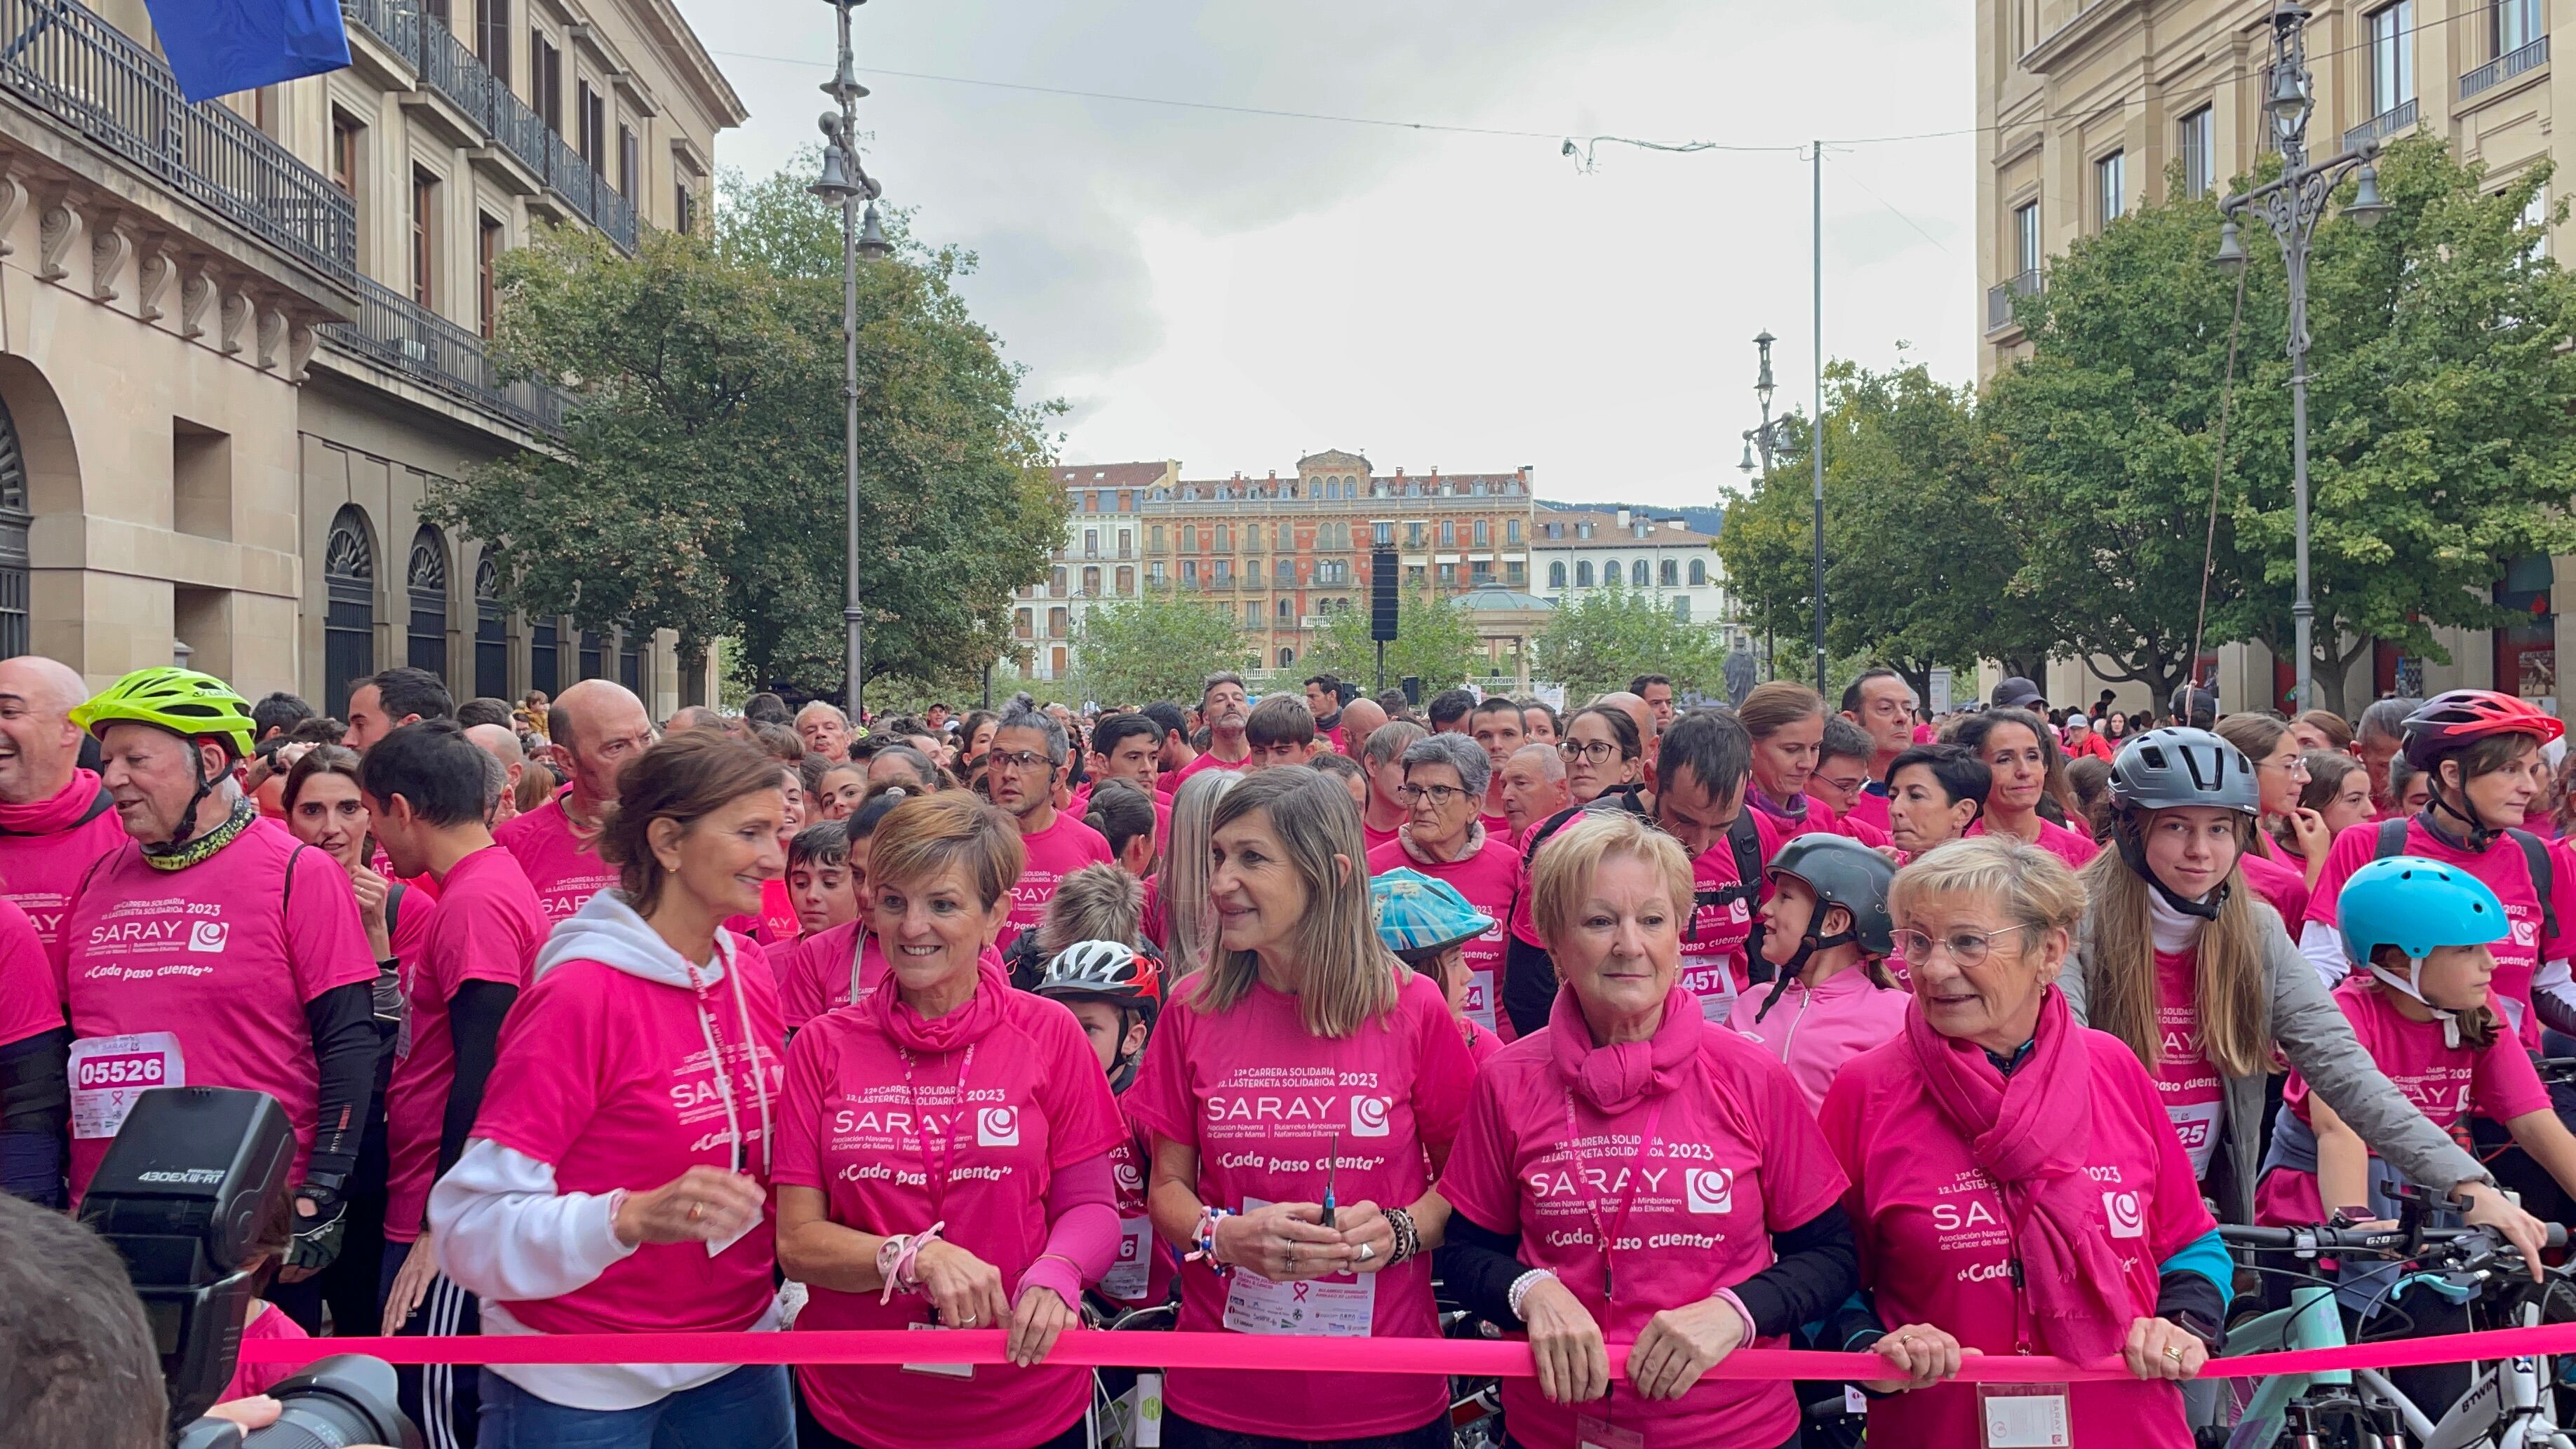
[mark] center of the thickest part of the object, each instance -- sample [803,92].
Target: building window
[1091,543]
[1516,572]
[1225,538]
[349,618]
[1582,573]
[487,259]
[627,156]
[2199,152]
[1252,613]
[1189,538]
[1285,571]
[1154,538]
[1681,609]
[1225,573]
[1413,535]
[1056,628]
[593,117]
[2517,24]
[2392,56]
[344,153]
[545,80]
[1698,572]
[426,581]
[1583,530]
[1511,530]
[1020,623]
[1252,538]
[1126,580]
[1671,573]
[1382,535]
[1556,575]
[1154,576]
[684,201]
[2026,237]
[1091,582]
[1126,542]
[1189,573]
[1448,576]
[2536,216]
[1055,583]
[1484,533]
[1285,611]
[491,634]
[1448,533]
[2110,187]
[424,244]
[492,37]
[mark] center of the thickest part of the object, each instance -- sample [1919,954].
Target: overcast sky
[1235,290]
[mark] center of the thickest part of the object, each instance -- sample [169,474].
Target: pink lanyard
[1608,1232]
[937,1173]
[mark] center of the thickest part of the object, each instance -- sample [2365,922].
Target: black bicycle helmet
[1842,872]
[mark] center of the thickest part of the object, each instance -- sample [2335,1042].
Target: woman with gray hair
[1444,837]
[1309,1220]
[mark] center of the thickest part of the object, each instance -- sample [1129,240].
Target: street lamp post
[847,182]
[1764,439]
[2291,205]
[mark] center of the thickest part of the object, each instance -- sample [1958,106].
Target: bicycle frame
[2310,1321]
[2512,1393]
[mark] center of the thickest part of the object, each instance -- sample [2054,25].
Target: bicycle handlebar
[2325,1239]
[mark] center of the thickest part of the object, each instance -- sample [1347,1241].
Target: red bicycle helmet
[2458,718]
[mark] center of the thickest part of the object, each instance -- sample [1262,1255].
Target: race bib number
[2023,1416]
[1712,980]
[944,1370]
[1127,1278]
[2197,1126]
[1480,998]
[1340,1307]
[109,1072]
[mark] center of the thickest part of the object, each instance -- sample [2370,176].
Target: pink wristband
[1727,1296]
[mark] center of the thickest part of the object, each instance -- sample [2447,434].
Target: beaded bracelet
[1521,1286]
[1205,1236]
[1408,1238]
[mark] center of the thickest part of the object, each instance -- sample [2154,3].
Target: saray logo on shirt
[208,935]
[1128,1175]
[1369,1114]
[997,1127]
[1710,1189]
[2127,1218]
[2526,932]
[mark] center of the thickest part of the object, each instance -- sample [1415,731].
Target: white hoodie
[500,1228]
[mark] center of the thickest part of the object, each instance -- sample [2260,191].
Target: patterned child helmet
[1419,917]
[1105,971]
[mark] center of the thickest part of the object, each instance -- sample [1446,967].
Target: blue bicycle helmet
[2418,906]
[1419,917]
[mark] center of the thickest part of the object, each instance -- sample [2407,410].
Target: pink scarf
[2028,1132]
[48,817]
[964,1027]
[1617,1077]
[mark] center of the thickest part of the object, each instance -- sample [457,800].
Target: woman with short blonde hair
[1299,996]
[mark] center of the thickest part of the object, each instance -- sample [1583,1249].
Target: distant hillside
[1698,520]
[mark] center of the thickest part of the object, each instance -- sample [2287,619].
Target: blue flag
[217,47]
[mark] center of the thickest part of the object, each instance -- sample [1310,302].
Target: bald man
[698,717]
[597,725]
[1360,719]
[502,743]
[55,817]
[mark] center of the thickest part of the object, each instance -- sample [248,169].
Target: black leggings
[1181,1433]
[810,1433]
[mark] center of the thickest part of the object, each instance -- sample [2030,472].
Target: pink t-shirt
[1489,880]
[39,872]
[1714,965]
[1266,1105]
[1690,1186]
[1143,1271]
[213,956]
[2282,884]
[1481,1043]
[563,867]
[267,1323]
[1054,853]
[2506,871]
[607,1077]
[1869,808]
[1935,1243]
[30,995]
[1854,828]
[814,974]
[486,927]
[2186,1083]
[779,926]
[870,1126]
[1170,781]
[2445,1083]
[2056,839]
[1813,1032]
[1371,837]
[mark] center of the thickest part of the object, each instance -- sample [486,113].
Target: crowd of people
[1675,1027]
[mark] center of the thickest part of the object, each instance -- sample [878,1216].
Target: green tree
[1599,639]
[1156,647]
[1435,642]
[699,482]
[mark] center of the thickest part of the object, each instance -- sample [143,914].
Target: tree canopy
[1137,651]
[1435,642]
[1599,639]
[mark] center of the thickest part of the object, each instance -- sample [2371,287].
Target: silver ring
[966,1322]
[1367,1251]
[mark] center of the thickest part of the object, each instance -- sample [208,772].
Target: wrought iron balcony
[2399,117]
[2000,296]
[67,61]
[402,336]
[2520,60]
[451,70]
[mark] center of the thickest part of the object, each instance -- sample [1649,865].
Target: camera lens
[342,1400]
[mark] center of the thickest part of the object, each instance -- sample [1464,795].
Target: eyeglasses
[1845,786]
[1599,752]
[2296,766]
[1019,759]
[1438,795]
[1967,948]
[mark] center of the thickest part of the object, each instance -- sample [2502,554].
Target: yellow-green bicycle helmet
[188,704]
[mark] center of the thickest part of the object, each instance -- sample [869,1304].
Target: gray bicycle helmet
[2170,769]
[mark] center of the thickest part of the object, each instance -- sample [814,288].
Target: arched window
[1698,572]
[1286,612]
[1287,657]
[1285,571]
[426,578]
[1583,573]
[14,521]
[1671,573]
[349,617]
[1556,574]
[1637,573]
[491,637]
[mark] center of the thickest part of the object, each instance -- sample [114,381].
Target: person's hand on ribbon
[1035,1322]
[1680,1344]
[2159,1349]
[2486,1208]
[1368,1234]
[1284,1242]
[1573,1363]
[1925,1355]
[702,1205]
[965,1289]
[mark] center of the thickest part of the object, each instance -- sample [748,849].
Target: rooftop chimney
[1623,518]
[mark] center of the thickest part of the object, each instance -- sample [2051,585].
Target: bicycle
[2510,1404]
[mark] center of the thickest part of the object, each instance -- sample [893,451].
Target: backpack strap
[2544,880]
[2391,840]
[394,892]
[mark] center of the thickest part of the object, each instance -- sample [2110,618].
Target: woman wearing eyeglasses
[1444,780]
[2176,961]
[1603,753]
[2281,773]
[2015,1186]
